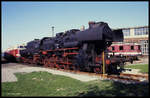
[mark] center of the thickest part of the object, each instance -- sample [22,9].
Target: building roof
[131,27]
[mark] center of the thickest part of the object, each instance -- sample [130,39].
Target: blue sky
[25,21]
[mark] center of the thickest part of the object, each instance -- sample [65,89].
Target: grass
[143,67]
[46,84]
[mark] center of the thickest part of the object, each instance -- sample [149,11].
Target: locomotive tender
[76,50]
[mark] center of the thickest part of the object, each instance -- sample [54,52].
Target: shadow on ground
[119,89]
[4,62]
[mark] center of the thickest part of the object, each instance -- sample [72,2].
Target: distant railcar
[126,49]
[13,54]
[129,51]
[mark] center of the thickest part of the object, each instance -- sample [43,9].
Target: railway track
[122,77]
[129,78]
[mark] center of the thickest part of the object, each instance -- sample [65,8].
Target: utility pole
[52,31]
[103,57]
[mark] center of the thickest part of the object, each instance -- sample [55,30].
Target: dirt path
[9,69]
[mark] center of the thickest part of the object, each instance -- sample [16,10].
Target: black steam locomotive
[76,50]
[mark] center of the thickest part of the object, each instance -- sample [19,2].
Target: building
[138,35]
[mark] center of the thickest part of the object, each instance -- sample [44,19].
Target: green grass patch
[46,84]
[143,67]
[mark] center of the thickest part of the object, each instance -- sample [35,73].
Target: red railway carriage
[13,54]
[125,49]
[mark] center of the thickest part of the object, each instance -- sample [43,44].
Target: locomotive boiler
[76,50]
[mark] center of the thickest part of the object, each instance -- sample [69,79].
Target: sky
[25,21]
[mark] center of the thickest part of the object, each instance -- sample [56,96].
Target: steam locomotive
[76,50]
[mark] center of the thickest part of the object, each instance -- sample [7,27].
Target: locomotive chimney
[91,23]
[82,28]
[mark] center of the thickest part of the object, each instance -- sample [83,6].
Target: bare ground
[9,69]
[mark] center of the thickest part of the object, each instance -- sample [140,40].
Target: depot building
[137,35]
